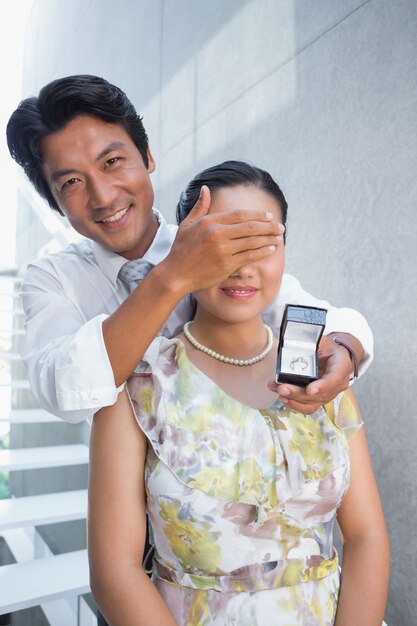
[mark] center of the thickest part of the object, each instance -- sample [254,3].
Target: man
[83,146]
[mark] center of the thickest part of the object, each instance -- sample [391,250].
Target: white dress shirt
[66,297]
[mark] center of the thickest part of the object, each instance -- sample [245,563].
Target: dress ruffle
[228,450]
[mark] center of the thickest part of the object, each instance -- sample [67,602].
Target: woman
[241,491]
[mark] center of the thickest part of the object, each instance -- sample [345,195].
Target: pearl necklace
[227,359]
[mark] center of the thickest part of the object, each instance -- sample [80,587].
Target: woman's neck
[240,340]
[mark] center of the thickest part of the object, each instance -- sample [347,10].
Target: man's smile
[116,216]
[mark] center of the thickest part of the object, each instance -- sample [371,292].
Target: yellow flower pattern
[193,545]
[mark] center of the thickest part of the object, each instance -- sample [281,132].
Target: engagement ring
[298,364]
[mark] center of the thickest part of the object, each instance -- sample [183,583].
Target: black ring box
[300,334]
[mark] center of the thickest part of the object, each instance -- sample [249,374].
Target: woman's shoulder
[344,412]
[161,350]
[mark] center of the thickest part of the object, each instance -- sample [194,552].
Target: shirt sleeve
[64,354]
[342,320]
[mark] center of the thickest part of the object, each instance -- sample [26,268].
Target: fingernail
[279,238]
[284,400]
[269,215]
[281,228]
[272,248]
[284,391]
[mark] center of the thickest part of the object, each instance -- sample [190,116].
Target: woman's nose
[246,271]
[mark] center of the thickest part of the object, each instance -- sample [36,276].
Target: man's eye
[69,183]
[112,161]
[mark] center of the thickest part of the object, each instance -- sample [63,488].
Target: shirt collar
[110,262]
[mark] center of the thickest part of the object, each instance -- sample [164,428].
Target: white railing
[56,583]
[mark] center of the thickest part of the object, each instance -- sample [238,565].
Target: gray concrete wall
[322,93]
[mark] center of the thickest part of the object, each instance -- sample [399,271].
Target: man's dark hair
[59,102]
[230,174]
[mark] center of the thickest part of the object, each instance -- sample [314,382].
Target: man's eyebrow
[60,173]
[115,145]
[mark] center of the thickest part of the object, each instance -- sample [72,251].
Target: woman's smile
[240,292]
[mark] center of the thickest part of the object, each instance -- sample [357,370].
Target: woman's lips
[239,293]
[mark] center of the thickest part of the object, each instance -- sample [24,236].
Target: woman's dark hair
[230,174]
[58,103]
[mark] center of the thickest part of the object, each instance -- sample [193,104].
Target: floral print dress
[242,502]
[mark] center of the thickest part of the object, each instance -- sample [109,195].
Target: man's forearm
[353,325]
[129,331]
[352,345]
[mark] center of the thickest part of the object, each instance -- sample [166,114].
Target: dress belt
[255,577]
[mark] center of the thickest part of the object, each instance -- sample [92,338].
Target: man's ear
[151,162]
